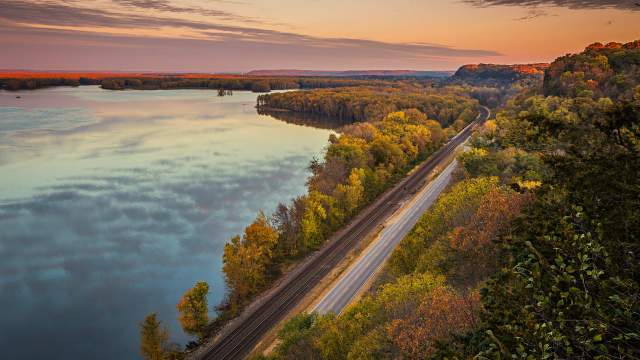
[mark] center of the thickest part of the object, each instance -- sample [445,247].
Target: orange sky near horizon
[229,35]
[459,25]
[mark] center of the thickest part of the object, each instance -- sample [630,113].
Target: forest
[239,83]
[14,84]
[367,103]
[532,252]
[27,81]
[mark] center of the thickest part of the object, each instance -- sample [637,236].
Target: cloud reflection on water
[115,219]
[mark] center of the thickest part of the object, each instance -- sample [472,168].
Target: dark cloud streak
[534,13]
[165,6]
[571,4]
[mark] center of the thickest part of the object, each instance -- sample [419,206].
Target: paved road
[372,258]
[241,335]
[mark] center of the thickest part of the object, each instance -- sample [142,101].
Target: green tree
[193,309]
[153,338]
[351,195]
[313,221]
[295,338]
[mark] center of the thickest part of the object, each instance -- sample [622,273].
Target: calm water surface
[113,203]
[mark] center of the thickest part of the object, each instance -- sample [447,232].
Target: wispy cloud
[83,30]
[571,4]
[533,13]
[166,6]
[61,14]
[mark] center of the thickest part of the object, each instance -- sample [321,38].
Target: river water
[112,204]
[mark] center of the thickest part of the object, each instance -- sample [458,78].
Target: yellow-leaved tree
[193,309]
[246,259]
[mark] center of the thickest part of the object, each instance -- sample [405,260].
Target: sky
[244,35]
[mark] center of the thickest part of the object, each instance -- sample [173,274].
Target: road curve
[243,334]
[372,258]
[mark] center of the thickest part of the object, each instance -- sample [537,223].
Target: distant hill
[498,75]
[350,73]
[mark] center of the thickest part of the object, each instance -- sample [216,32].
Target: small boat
[18,97]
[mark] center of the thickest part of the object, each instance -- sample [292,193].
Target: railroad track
[240,340]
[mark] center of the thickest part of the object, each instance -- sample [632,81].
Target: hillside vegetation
[533,253]
[499,75]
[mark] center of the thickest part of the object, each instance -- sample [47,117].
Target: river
[113,203]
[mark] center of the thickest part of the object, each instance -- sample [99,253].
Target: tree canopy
[193,309]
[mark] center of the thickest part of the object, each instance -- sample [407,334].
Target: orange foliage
[497,209]
[440,315]
[473,244]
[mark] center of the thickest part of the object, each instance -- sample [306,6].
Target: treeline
[255,84]
[38,83]
[533,253]
[148,82]
[353,104]
[167,83]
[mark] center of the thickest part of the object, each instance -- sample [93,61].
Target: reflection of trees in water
[313,120]
[225,92]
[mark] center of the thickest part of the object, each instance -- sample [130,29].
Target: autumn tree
[441,314]
[193,309]
[326,176]
[286,221]
[261,86]
[246,259]
[296,336]
[351,195]
[153,338]
[313,221]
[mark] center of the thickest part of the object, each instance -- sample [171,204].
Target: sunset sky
[242,35]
